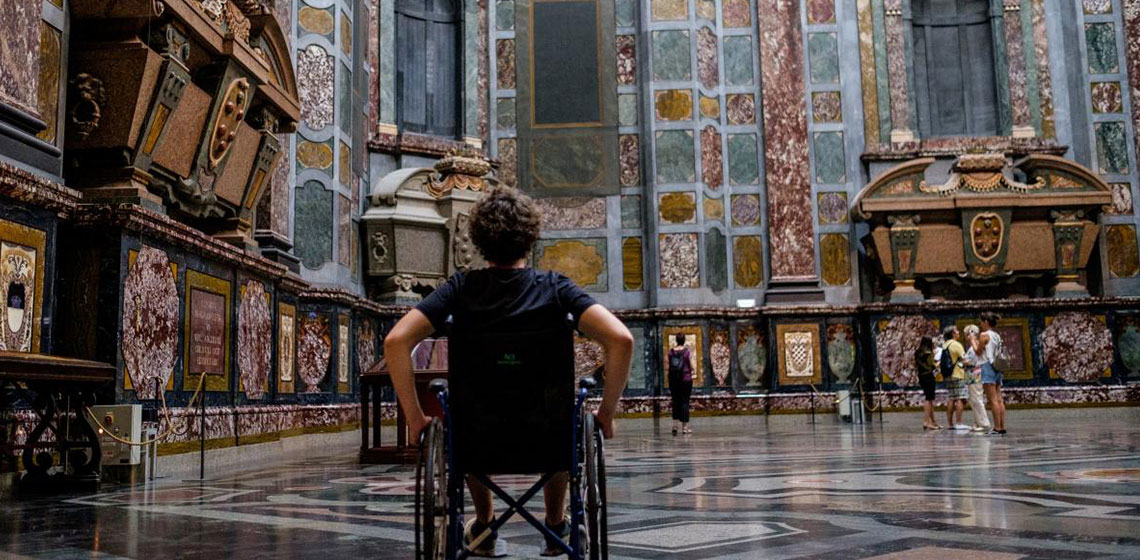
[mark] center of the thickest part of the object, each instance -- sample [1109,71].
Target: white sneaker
[960,427]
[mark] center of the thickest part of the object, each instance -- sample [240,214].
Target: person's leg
[481,499]
[993,398]
[928,414]
[978,406]
[554,494]
[958,407]
[949,408]
[999,416]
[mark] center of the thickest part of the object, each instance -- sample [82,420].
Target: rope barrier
[168,422]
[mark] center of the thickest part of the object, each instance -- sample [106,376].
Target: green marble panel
[471,71]
[631,211]
[716,260]
[743,159]
[738,60]
[505,15]
[671,51]
[1111,147]
[1101,41]
[637,378]
[626,11]
[829,165]
[313,223]
[344,99]
[506,116]
[627,109]
[388,61]
[675,155]
[878,28]
[823,58]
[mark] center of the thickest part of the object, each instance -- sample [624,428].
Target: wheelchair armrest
[588,383]
[437,386]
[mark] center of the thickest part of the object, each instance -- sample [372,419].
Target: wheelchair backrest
[511,399]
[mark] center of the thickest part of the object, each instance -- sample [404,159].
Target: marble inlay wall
[254,339]
[150,322]
[20,56]
[314,348]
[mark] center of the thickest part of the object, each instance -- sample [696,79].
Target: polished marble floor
[1062,484]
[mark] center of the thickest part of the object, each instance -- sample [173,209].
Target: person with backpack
[993,360]
[680,383]
[954,375]
[924,366]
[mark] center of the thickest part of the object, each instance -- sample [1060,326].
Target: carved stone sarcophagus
[176,105]
[991,222]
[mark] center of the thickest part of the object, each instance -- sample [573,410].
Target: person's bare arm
[981,343]
[601,326]
[398,345]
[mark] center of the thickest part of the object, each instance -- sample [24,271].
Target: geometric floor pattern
[1062,484]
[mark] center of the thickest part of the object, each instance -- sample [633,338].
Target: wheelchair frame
[440,489]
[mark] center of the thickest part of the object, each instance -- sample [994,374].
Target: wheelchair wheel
[595,490]
[431,495]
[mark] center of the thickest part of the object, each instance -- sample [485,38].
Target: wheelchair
[510,407]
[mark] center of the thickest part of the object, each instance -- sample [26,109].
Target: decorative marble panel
[1121,199]
[255,339]
[738,60]
[709,107]
[826,106]
[505,108]
[313,224]
[692,334]
[627,109]
[712,158]
[799,354]
[631,211]
[823,58]
[832,208]
[626,12]
[820,11]
[315,86]
[716,260]
[743,159]
[671,52]
[785,141]
[1044,78]
[632,268]
[581,260]
[1018,81]
[748,261]
[1097,7]
[680,262]
[677,207]
[366,356]
[505,69]
[745,210]
[344,231]
[505,15]
[273,208]
[1077,346]
[1106,97]
[713,209]
[673,104]
[706,9]
[47,94]
[895,343]
[1111,149]
[1123,259]
[344,170]
[751,354]
[629,155]
[720,355]
[835,259]
[315,20]
[1100,38]
[572,213]
[674,156]
[736,13]
[830,167]
[345,35]
[669,10]
[150,322]
[314,348]
[708,66]
[626,60]
[286,347]
[740,108]
[508,161]
[840,351]
[314,155]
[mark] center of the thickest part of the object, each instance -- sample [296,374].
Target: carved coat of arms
[986,235]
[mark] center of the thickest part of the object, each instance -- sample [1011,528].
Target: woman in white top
[974,382]
[986,346]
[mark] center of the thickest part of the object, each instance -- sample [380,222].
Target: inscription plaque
[207,333]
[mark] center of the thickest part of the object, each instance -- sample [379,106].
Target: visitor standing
[955,377]
[991,357]
[974,382]
[924,366]
[680,383]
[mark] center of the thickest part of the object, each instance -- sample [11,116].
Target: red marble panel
[1015,59]
[821,11]
[20,53]
[712,158]
[792,252]
[505,52]
[707,62]
[896,65]
[255,339]
[483,112]
[630,159]
[1044,80]
[626,60]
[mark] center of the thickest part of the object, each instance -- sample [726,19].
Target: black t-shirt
[505,300]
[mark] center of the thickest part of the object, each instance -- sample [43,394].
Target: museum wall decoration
[151,317]
[254,339]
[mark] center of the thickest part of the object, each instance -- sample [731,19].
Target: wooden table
[371,381]
[57,389]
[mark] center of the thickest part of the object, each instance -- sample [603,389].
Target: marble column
[791,238]
[896,72]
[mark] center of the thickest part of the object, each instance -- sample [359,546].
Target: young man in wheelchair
[509,297]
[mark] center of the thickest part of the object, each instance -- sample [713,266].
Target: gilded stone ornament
[18,290]
[230,114]
[799,354]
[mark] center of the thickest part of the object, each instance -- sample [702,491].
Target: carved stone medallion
[986,234]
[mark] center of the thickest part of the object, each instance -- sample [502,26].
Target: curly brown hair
[504,225]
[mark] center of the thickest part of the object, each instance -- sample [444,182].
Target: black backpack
[946,363]
[676,364]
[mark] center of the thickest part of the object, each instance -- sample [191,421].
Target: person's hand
[416,426]
[606,423]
